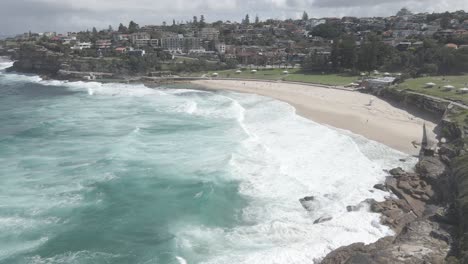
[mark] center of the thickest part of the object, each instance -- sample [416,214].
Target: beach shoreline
[360,113]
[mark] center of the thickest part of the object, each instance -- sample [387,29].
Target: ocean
[121,173]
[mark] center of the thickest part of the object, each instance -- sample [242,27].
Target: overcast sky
[17,16]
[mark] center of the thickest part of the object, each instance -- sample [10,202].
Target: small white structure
[430,85]
[214,74]
[254,71]
[379,83]
[387,74]
[376,72]
[238,71]
[285,72]
[464,90]
[448,87]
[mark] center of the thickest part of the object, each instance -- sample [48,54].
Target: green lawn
[418,85]
[294,75]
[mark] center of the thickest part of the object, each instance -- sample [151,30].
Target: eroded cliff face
[430,214]
[37,59]
[411,100]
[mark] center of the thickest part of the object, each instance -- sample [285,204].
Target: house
[121,50]
[404,45]
[461,32]
[451,46]
[120,37]
[135,37]
[221,48]
[49,34]
[136,52]
[103,43]
[81,46]
[445,33]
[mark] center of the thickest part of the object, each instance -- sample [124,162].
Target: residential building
[103,43]
[180,43]
[82,45]
[221,48]
[135,37]
[209,33]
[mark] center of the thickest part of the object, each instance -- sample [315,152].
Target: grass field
[294,75]
[418,85]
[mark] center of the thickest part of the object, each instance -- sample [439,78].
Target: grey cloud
[18,16]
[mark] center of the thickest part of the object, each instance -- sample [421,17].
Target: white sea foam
[285,158]
[281,159]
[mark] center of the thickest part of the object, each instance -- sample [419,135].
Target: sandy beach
[359,113]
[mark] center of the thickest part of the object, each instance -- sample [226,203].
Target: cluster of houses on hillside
[270,42]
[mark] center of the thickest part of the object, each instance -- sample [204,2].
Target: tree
[327,31]
[95,31]
[173,22]
[110,29]
[202,21]
[195,20]
[305,16]
[404,12]
[257,20]
[133,27]
[122,28]
[247,19]
[445,21]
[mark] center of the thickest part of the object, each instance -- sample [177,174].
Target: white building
[221,48]
[81,46]
[139,36]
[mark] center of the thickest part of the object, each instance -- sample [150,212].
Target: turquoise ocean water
[114,173]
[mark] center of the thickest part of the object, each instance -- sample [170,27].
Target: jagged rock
[307,199]
[306,202]
[381,187]
[397,172]
[431,168]
[420,242]
[448,150]
[323,219]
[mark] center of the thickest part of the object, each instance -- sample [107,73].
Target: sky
[18,16]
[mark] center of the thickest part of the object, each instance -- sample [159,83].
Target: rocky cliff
[39,60]
[430,214]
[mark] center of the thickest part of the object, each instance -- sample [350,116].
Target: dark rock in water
[351,208]
[403,160]
[381,187]
[306,202]
[397,172]
[323,219]
[307,199]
